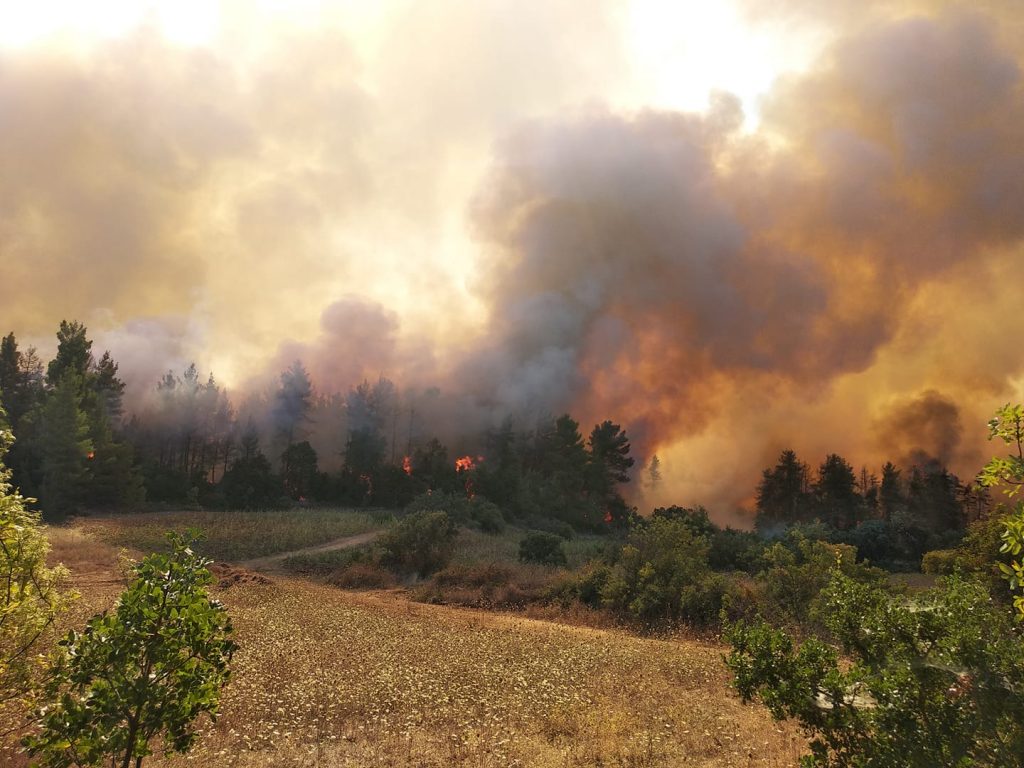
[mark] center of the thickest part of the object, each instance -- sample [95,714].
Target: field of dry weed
[332,678]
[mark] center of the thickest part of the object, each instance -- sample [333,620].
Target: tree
[109,389]
[147,670]
[609,451]
[782,495]
[292,404]
[934,681]
[250,483]
[1007,473]
[31,594]
[74,353]
[654,473]
[298,469]
[836,493]
[890,494]
[65,447]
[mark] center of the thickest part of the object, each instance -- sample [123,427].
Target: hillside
[327,677]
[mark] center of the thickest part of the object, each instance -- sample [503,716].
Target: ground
[330,678]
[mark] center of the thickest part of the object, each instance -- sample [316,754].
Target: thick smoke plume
[723,292]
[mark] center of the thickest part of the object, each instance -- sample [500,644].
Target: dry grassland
[236,535]
[332,678]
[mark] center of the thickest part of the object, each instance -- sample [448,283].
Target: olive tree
[147,669]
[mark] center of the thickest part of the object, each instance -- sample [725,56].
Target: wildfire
[90,455]
[466,463]
[407,465]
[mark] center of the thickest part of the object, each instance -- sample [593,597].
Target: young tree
[31,594]
[147,670]
[298,469]
[1007,473]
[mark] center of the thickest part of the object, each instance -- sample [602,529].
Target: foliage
[941,562]
[65,448]
[32,594]
[662,574]
[420,543]
[298,469]
[251,482]
[147,670]
[461,509]
[1008,473]
[542,548]
[799,568]
[936,681]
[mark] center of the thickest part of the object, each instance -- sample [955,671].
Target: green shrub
[934,682]
[560,528]
[542,548]
[662,574]
[146,670]
[798,569]
[419,544]
[461,509]
[940,562]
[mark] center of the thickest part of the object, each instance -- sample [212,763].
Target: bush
[146,670]
[542,548]
[362,574]
[939,681]
[941,562]
[799,569]
[419,544]
[662,574]
[461,509]
[488,585]
[560,528]
[584,586]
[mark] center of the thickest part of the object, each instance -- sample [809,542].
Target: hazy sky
[734,227]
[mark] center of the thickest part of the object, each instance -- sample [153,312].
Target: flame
[90,455]
[407,465]
[464,464]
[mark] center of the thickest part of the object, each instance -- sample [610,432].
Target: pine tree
[65,448]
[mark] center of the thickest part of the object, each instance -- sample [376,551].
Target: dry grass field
[236,535]
[330,678]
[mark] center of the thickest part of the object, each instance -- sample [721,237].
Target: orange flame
[464,464]
[407,465]
[90,455]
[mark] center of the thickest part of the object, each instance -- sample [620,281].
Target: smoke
[640,265]
[722,291]
[925,428]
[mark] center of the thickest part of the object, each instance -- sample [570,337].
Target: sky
[732,227]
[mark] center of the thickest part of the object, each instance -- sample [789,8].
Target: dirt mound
[229,575]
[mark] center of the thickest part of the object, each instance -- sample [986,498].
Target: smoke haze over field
[493,199]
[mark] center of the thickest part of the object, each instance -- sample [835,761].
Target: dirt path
[272,562]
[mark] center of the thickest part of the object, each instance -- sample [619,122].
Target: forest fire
[407,465]
[90,455]
[466,463]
